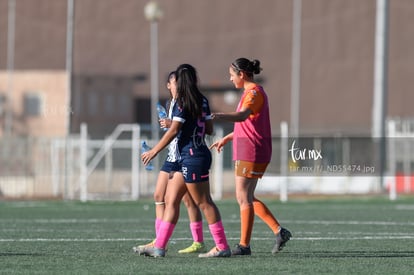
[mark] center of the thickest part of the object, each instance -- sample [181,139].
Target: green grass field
[330,236]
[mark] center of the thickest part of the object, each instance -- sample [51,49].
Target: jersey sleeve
[206,109]
[178,114]
[253,100]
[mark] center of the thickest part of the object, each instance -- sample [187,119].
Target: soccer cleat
[241,250]
[195,247]
[139,248]
[216,253]
[153,251]
[281,239]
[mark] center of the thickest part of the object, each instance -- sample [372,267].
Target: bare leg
[175,191]
[200,192]
[194,213]
[159,194]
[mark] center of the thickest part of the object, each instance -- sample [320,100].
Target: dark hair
[189,96]
[170,75]
[245,65]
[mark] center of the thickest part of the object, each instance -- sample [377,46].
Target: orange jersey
[252,138]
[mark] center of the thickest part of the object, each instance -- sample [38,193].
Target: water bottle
[145,148]
[162,113]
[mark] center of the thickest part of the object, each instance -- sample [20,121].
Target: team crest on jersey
[254,93]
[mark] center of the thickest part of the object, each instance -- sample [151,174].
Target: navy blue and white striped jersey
[192,132]
[173,152]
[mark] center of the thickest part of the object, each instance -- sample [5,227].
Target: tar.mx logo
[303,154]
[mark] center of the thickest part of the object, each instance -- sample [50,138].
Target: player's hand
[147,156]
[165,122]
[215,115]
[218,145]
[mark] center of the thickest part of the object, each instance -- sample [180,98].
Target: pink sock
[197,231]
[219,236]
[164,234]
[157,226]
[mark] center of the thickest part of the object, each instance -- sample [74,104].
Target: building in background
[111,63]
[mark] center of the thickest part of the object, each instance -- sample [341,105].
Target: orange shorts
[249,169]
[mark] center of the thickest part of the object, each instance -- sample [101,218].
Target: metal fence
[80,168]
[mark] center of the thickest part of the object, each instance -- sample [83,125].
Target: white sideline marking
[185,239]
[72,220]
[72,240]
[137,221]
[354,238]
[349,222]
[405,207]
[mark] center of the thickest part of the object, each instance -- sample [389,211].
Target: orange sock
[246,223]
[264,213]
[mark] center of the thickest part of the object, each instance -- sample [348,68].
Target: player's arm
[220,143]
[233,116]
[164,141]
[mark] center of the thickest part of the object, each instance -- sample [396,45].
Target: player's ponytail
[189,95]
[245,65]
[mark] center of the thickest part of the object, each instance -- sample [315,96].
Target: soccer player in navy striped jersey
[191,121]
[171,165]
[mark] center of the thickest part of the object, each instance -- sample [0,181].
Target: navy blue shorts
[169,167]
[195,164]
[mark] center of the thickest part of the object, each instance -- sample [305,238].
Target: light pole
[379,110]
[295,72]
[69,62]
[153,13]
[11,28]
